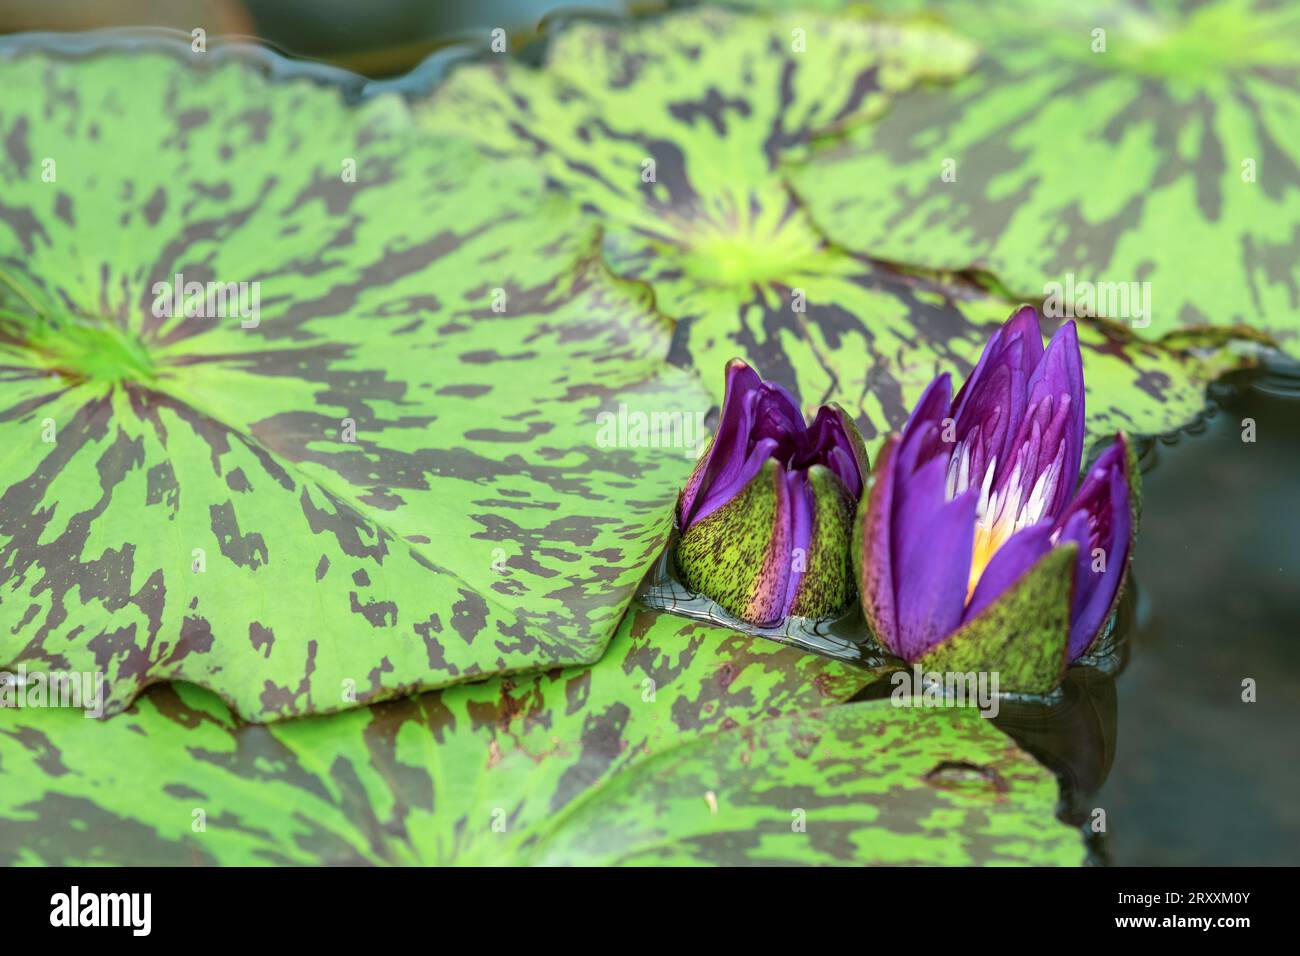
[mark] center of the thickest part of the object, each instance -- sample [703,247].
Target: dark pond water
[1196,775]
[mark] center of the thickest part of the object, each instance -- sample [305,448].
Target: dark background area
[1199,776]
[378,38]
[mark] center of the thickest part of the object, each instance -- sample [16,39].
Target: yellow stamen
[988,539]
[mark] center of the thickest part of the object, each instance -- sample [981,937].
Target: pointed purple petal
[1099,517]
[1042,468]
[845,468]
[922,437]
[990,416]
[1021,327]
[729,484]
[932,565]
[777,416]
[1038,470]
[1060,375]
[730,445]
[831,446]
[1000,380]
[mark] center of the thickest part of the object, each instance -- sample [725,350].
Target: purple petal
[1098,517]
[777,416]
[729,483]
[1060,375]
[1039,468]
[933,540]
[762,420]
[843,465]
[992,400]
[1042,469]
[922,437]
[1017,555]
[730,444]
[831,446]
[1022,327]
[768,603]
[798,502]
[991,414]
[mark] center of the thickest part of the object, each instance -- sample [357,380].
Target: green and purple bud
[766,518]
[974,549]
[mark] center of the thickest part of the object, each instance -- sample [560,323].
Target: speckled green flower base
[842,638]
[847,638]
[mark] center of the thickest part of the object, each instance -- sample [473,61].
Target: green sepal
[827,586]
[1134,472]
[740,554]
[870,514]
[1023,636]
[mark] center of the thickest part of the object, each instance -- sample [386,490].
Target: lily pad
[675,126]
[684,743]
[1120,142]
[861,784]
[391,477]
[713,105]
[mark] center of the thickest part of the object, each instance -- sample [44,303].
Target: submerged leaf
[389,475]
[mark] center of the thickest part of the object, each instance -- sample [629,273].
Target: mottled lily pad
[713,104]
[860,784]
[675,126]
[685,743]
[391,477]
[1114,142]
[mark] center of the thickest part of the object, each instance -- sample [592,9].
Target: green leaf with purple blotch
[1141,156]
[386,473]
[685,743]
[674,133]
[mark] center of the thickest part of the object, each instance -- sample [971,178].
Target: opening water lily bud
[765,520]
[974,550]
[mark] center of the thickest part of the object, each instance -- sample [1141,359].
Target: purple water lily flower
[976,493]
[766,517]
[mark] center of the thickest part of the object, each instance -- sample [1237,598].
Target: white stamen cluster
[1002,512]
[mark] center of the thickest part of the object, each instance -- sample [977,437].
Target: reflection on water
[1200,776]
[1075,736]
